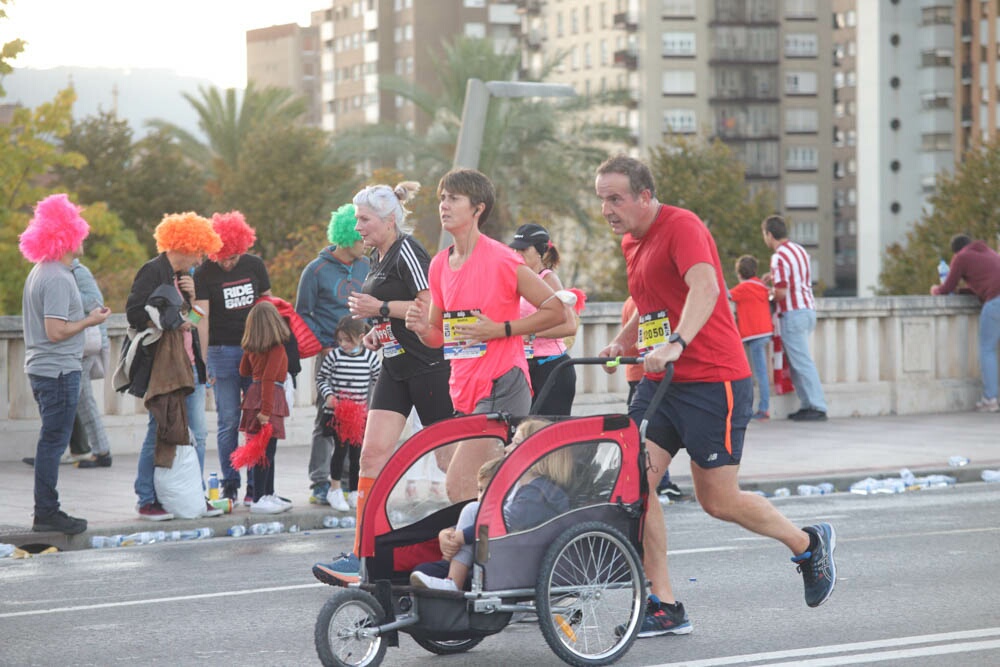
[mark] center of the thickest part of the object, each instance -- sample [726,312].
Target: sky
[205,38]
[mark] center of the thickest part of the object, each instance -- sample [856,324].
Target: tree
[706,178]
[966,201]
[106,143]
[286,178]
[112,253]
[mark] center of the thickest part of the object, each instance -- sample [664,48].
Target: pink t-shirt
[487,282]
[544,347]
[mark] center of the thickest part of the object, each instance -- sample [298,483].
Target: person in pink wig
[54,321]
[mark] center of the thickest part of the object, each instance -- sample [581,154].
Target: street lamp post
[477,101]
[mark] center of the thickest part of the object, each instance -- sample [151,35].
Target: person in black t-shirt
[226,287]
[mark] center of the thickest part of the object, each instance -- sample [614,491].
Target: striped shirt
[343,375]
[790,269]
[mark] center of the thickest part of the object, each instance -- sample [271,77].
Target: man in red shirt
[977,264]
[675,278]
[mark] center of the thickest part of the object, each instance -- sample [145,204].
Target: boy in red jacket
[753,319]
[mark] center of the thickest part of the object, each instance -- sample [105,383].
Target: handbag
[91,341]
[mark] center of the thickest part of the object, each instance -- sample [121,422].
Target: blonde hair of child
[530,426]
[265,328]
[489,469]
[557,466]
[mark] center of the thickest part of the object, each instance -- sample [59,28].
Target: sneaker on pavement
[99,461]
[337,501]
[661,619]
[794,415]
[59,522]
[352,500]
[810,415]
[211,511]
[761,416]
[268,505]
[421,580]
[318,493]
[154,512]
[285,502]
[987,405]
[230,490]
[670,490]
[819,572]
[344,570]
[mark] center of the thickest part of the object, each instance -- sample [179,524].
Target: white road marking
[703,550]
[179,598]
[796,655]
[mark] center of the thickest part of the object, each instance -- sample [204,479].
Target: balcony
[529,7]
[627,58]
[626,21]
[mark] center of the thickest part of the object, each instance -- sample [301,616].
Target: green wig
[341,230]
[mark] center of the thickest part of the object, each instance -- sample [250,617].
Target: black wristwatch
[384,309]
[676,338]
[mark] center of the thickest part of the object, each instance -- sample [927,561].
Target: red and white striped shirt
[790,269]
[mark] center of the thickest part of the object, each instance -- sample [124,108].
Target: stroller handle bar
[611,362]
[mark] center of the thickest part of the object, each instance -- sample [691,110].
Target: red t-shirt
[753,308]
[487,282]
[656,263]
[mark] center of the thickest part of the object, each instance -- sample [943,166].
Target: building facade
[287,56]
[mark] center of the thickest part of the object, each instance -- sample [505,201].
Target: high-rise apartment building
[757,74]
[287,56]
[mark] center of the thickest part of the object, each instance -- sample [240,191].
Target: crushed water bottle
[269,528]
[808,490]
[909,479]
[938,481]
[196,534]
[6,550]
[957,461]
[827,488]
[145,537]
[990,475]
[783,492]
[330,521]
[239,530]
[105,542]
[348,522]
[870,486]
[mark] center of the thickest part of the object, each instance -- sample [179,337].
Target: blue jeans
[796,327]
[196,422]
[757,352]
[228,387]
[57,399]
[989,338]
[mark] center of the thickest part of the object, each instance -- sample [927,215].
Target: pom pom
[341,230]
[236,235]
[254,451]
[350,417]
[55,230]
[581,299]
[187,233]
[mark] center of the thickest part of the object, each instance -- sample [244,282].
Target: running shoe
[661,619]
[344,570]
[421,580]
[819,572]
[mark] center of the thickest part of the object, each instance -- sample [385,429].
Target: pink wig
[237,236]
[56,229]
[188,233]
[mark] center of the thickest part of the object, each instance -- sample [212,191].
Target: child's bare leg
[458,572]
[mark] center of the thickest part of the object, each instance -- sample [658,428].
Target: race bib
[390,344]
[654,329]
[455,347]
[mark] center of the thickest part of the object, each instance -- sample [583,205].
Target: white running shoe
[267,505]
[336,499]
[421,580]
[352,500]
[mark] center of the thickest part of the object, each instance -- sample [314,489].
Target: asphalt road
[917,586]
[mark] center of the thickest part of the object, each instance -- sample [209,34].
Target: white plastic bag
[179,488]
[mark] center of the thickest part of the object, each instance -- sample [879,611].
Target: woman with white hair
[413,375]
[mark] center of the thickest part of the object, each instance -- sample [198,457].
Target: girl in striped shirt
[344,381]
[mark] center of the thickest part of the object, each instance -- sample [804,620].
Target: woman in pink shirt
[474,314]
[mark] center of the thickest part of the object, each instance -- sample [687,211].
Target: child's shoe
[421,580]
[336,499]
[318,494]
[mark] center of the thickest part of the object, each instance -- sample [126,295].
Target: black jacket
[151,275]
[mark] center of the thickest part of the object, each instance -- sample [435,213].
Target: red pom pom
[254,451]
[581,299]
[350,417]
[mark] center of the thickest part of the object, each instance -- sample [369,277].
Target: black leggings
[353,455]
[560,399]
[263,475]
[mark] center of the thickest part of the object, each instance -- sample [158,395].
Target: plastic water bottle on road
[990,475]
[348,522]
[330,521]
[269,528]
[957,461]
[6,550]
[238,530]
[196,534]
[145,537]
[105,542]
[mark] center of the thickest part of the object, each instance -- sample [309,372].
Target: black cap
[529,235]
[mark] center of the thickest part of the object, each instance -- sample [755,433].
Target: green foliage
[112,253]
[106,143]
[286,178]
[706,178]
[966,201]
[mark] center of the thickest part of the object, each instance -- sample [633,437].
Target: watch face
[384,310]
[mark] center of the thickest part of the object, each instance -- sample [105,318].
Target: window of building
[475,30]
[397,34]
[937,15]
[801,45]
[806,232]
[559,24]
[801,121]
[680,121]
[800,83]
[574,24]
[801,158]
[474,4]
[605,56]
[801,195]
[679,9]
[935,100]
[936,58]
[678,82]
[935,141]
[800,9]
[586,56]
[678,44]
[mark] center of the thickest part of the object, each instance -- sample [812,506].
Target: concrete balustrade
[875,356]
